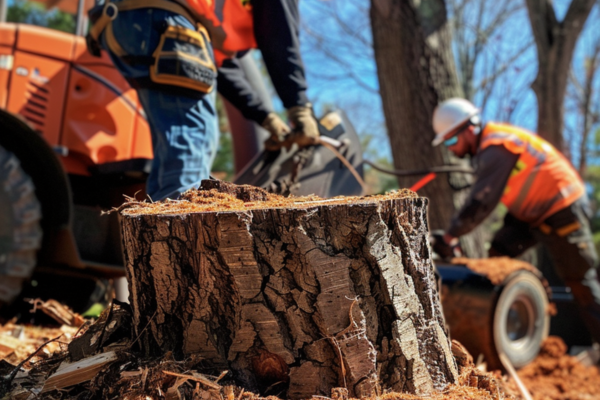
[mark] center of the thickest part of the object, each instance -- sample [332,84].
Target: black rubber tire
[20,228]
[521,321]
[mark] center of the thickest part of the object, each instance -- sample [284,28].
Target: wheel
[20,230]
[521,321]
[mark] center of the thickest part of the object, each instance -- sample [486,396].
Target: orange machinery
[73,140]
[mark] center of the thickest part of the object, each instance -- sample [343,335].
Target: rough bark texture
[312,297]
[555,41]
[415,68]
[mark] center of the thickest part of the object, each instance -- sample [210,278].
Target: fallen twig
[145,327]
[513,374]
[198,378]
[6,380]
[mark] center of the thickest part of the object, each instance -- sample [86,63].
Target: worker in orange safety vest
[544,195]
[173,52]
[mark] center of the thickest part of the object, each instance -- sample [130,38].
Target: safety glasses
[451,142]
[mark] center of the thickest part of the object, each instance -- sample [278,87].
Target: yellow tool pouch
[184,59]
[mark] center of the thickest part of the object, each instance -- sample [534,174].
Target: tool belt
[182,57]
[562,223]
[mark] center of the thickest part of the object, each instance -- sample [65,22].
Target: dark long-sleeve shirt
[493,166]
[276,29]
[276,24]
[233,85]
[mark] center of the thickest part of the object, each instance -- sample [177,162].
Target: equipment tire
[20,228]
[521,321]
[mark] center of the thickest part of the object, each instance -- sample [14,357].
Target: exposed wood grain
[69,374]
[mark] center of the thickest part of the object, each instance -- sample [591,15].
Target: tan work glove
[278,130]
[305,130]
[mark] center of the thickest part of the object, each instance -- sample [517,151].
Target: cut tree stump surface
[305,293]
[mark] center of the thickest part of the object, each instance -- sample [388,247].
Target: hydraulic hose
[438,170]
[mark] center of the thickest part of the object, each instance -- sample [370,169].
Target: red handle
[423,181]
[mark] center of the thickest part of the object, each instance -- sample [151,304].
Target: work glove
[305,130]
[278,130]
[445,249]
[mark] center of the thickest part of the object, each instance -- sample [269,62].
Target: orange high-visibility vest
[229,23]
[542,182]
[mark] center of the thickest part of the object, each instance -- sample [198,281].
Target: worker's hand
[278,130]
[445,245]
[305,130]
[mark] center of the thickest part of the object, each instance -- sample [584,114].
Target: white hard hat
[449,115]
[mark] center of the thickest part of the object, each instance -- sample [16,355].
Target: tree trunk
[416,71]
[555,41]
[587,105]
[305,296]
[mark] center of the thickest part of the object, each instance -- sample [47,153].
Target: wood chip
[69,374]
[59,312]
[131,374]
[8,345]
[196,377]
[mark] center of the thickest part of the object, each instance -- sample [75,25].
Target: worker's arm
[235,88]
[494,165]
[276,25]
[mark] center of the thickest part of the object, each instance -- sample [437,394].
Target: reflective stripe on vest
[229,23]
[542,181]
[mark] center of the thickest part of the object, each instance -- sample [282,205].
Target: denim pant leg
[184,128]
[184,138]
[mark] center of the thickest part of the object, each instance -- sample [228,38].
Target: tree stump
[304,293]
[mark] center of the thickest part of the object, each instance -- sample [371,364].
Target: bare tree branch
[487,81]
[475,22]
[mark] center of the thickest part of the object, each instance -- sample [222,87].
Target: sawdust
[554,375]
[218,196]
[496,269]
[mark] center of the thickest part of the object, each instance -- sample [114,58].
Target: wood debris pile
[17,342]
[101,361]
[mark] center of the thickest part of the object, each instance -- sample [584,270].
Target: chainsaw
[333,167]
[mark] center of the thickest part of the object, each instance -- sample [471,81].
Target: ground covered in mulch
[555,375]
[31,359]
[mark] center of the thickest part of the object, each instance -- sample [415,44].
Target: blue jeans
[184,128]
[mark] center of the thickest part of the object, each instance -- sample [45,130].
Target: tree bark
[416,71]
[555,41]
[307,297]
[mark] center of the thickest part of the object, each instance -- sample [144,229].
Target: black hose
[442,169]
